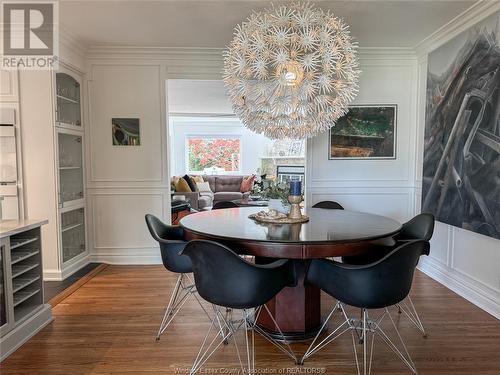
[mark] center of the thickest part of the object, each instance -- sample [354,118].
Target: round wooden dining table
[328,233]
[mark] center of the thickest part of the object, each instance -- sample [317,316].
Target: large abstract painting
[461,169]
[364,132]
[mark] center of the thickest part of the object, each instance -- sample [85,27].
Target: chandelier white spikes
[291,71]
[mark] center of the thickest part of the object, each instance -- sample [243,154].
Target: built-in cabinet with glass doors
[70,164]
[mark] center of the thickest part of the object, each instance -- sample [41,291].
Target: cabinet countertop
[11,227]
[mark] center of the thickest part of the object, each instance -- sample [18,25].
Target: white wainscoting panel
[126,91]
[394,203]
[440,243]
[119,219]
[477,257]
[118,233]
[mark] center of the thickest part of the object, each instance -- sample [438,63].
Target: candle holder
[295,212]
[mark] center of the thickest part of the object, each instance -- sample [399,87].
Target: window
[213,154]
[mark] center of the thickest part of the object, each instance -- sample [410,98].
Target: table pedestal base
[296,310]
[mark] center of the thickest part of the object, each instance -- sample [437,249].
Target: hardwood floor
[109,324]
[56,291]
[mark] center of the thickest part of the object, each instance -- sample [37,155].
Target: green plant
[273,190]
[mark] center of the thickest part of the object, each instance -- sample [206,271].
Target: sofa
[223,188]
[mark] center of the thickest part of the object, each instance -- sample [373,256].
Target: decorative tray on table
[274,217]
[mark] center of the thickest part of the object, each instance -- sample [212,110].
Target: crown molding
[161,53]
[215,54]
[384,53]
[468,18]
[71,41]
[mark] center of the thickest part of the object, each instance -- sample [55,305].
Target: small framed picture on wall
[365,132]
[126,131]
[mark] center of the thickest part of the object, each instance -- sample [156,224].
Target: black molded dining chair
[373,286]
[331,205]
[224,204]
[171,240]
[227,281]
[421,227]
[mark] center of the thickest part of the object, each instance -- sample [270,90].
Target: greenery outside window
[213,154]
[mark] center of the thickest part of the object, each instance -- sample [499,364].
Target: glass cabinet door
[70,167]
[68,111]
[73,233]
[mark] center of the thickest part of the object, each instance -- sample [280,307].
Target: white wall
[253,146]
[126,182]
[379,186]
[464,261]
[187,96]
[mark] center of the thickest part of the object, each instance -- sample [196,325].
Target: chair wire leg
[412,315]
[229,317]
[366,326]
[406,359]
[332,336]
[193,291]
[312,349]
[371,353]
[175,310]
[168,310]
[206,351]
[353,331]
[361,319]
[195,295]
[239,355]
[284,348]
[250,344]
[364,341]
[199,356]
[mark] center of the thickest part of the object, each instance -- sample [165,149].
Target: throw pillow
[182,186]
[197,179]
[203,186]
[173,182]
[247,183]
[191,183]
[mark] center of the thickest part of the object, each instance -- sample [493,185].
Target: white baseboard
[127,257]
[52,275]
[473,292]
[58,275]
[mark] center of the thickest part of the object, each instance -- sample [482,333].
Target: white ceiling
[210,23]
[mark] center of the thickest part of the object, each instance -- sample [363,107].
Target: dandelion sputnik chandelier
[291,71]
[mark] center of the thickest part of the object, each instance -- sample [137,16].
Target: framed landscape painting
[365,132]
